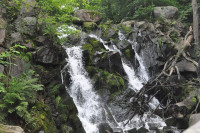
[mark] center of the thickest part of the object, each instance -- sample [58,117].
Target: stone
[47,55]
[185,65]
[10,129]
[166,12]
[16,37]
[17,66]
[117,130]
[128,23]
[30,21]
[193,129]
[2,49]
[3,23]
[28,7]
[1,68]
[194,118]
[2,11]
[2,35]
[104,127]
[88,16]
[142,130]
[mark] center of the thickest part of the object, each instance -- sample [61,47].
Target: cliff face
[108,51]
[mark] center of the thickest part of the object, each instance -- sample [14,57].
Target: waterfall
[91,111]
[135,84]
[81,90]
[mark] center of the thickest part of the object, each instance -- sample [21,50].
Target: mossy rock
[42,119]
[89,26]
[77,21]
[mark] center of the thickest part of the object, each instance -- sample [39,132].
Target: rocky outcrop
[194,118]
[87,16]
[166,12]
[47,55]
[10,129]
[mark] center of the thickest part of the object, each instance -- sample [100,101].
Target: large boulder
[47,55]
[194,118]
[10,129]
[88,16]
[166,12]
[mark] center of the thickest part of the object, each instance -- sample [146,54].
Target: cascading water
[87,102]
[135,84]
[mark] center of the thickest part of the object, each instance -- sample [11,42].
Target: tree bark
[195,21]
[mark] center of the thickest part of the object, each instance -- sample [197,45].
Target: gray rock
[2,49]
[2,11]
[1,68]
[129,23]
[17,67]
[28,7]
[47,55]
[10,129]
[194,118]
[185,65]
[104,127]
[29,21]
[166,12]
[2,35]
[16,37]
[88,16]
[193,129]
[3,23]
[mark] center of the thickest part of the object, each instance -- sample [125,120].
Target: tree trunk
[195,21]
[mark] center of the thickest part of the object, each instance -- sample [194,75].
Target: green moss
[42,119]
[127,52]
[89,26]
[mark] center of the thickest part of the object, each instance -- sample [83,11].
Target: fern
[18,94]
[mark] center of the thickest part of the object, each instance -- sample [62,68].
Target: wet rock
[2,35]
[117,130]
[154,126]
[133,130]
[16,37]
[47,55]
[10,129]
[166,12]
[88,16]
[194,118]
[116,63]
[185,65]
[142,130]
[104,127]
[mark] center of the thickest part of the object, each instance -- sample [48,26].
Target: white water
[90,111]
[87,102]
[136,84]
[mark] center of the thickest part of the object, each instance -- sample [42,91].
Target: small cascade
[142,70]
[87,102]
[135,84]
